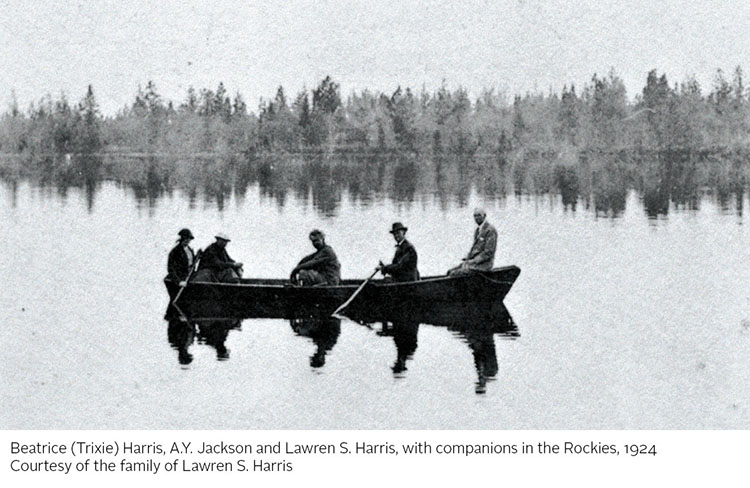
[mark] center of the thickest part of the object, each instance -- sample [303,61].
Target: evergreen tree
[88,129]
[239,107]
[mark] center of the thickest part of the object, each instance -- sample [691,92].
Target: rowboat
[275,298]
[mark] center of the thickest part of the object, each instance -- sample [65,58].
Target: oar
[346,303]
[190,274]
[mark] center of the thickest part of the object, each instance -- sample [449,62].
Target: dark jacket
[404,266]
[325,262]
[177,263]
[482,254]
[216,258]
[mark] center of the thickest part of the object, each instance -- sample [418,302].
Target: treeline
[597,116]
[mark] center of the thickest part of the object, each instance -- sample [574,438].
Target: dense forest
[598,116]
[669,142]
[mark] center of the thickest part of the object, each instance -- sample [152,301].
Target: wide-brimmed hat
[397,226]
[186,234]
[222,236]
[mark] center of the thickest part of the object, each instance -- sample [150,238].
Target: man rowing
[481,257]
[216,265]
[181,257]
[319,268]
[404,265]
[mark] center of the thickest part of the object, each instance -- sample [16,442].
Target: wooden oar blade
[356,292]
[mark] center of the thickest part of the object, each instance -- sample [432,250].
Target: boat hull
[277,298]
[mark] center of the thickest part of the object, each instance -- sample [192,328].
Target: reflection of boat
[475,323]
[182,333]
[459,317]
[277,298]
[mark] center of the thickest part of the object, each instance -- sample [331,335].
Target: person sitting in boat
[319,268]
[181,257]
[404,265]
[481,257]
[216,265]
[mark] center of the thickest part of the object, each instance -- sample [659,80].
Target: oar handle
[190,275]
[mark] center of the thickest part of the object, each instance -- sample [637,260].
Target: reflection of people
[319,268]
[405,337]
[181,257]
[481,257]
[216,265]
[214,333]
[482,345]
[180,335]
[324,332]
[404,265]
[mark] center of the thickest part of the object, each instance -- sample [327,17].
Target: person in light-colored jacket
[481,257]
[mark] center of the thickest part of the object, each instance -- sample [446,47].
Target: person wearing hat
[216,265]
[181,257]
[404,265]
[319,268]
[481,257]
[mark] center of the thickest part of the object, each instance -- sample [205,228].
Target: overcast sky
[515,45]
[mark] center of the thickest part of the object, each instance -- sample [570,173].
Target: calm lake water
[622,321]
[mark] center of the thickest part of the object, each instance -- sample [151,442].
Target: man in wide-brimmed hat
[216,265]
[404,265]
[181,257]
[319,268]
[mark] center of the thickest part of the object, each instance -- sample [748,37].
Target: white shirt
[189,253]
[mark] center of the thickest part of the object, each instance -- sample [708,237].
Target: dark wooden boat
[278,298]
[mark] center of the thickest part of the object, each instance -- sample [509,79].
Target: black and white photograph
[391,215]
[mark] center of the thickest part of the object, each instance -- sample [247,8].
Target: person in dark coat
[404,265]
[181,257]
[319,268]
[216,265]
[481,257]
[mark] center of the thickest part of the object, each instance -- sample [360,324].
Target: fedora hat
[397,226]
[186,234]
[222,236]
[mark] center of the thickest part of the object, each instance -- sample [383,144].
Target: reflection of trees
[566,181]
[405,179]
[150,186]
[656,183]
[364,176]
[595,177]
[609,183]
[727,176]
[324,333]
[72,171]
[326,190]
[668,176]
[13,186]
[451,180]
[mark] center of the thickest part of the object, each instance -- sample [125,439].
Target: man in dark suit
[216,265]
[404,265]
[181,257]
[319,268]
[481,257]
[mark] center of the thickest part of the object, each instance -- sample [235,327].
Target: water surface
[627,313]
